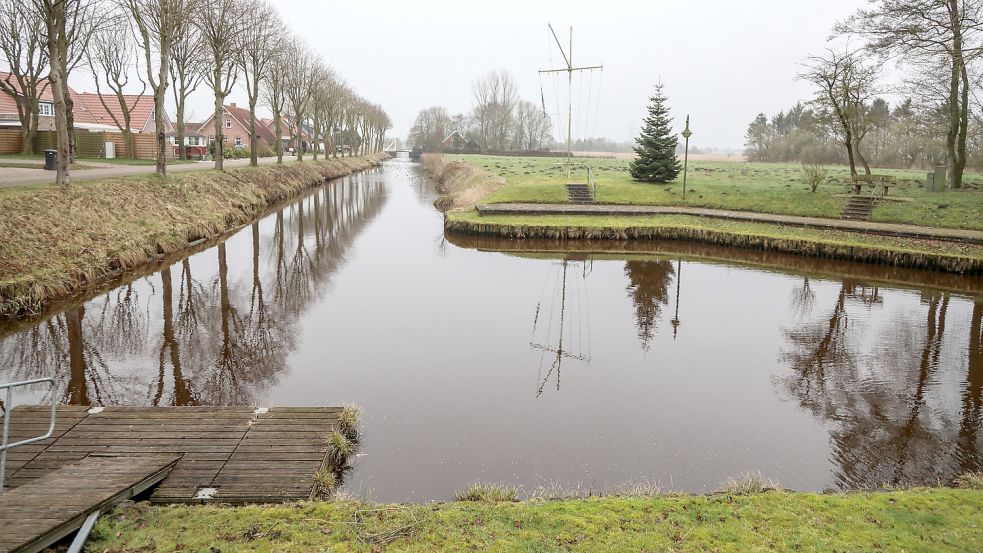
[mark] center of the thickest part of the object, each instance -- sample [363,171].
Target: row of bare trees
[181,44]
[937,44]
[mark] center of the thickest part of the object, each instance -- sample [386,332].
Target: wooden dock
[230,455]
[41,512]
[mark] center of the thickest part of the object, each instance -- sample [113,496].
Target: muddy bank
[55,243]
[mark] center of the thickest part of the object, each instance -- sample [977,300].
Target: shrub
[814,174]
[348,422]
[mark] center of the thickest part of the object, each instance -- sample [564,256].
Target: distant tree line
[901,136]
[499,120]
[937,46]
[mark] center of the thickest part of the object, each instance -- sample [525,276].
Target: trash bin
[51,159]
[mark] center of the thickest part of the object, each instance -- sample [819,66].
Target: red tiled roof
[141,108]
[242,115]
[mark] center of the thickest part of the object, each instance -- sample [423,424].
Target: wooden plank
[49,508]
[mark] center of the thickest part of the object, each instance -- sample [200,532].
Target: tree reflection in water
[886,394]
[218,341]
[648,287]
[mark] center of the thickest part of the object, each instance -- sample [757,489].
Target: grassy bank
[900,252]
[926,254]
[55,242]
[911,520]
[763,187]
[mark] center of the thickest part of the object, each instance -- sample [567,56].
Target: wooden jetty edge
[231,455]
[45,510]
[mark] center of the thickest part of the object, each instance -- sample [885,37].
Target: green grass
[765,187]
[843,238]
[936,520]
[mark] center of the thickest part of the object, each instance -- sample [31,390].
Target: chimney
[233,104]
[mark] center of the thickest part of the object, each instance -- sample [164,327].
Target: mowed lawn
[911,520]
[747,186]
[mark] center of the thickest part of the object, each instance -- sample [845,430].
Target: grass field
[936,520]
[764,187]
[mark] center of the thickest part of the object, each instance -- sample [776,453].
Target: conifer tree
[656,149]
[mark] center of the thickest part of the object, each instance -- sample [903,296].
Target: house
[454,142]
[235,130]
[195,143]
[141,107]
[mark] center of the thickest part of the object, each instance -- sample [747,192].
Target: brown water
[569,363]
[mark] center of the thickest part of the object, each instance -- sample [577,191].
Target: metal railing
[7,407]
[592,182]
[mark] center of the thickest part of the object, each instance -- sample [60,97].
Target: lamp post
[686,134]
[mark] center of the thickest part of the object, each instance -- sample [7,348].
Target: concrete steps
[579,194]
[859,208]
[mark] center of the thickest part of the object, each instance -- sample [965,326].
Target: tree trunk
[179,124]
[219,141]
[848,142]
[253,158]
[57,78]
[159,129]
[278,130]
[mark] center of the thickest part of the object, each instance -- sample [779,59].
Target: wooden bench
[857,183]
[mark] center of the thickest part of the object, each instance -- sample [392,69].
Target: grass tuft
[348,421]
[488,493]
[340,448]
[970,481]
[325,483]
[641,488]
[749,483]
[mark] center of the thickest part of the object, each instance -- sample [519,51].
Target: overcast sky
[722,61]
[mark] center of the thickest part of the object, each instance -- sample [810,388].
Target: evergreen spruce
[656,149]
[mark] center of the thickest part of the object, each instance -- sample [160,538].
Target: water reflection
[648,287]
[223,329]
[561,321]
[887,394]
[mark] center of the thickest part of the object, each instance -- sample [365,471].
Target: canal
[538,364]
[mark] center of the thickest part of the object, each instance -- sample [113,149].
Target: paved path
[11,177]
[867,227]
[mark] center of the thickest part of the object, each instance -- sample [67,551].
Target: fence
[91,144]
[10,141]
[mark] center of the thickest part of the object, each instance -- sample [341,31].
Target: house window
[228,122]
[46,109]
[238,141]
[225,139]
[192,141]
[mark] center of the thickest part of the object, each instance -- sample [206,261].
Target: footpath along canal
[538,363]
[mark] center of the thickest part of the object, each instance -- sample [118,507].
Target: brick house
[235,130]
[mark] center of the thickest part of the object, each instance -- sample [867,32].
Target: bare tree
[263,35]
[68,25]
[112,58]
[299,85]
[22,44]
[222,25]
[846,86]
[187,62]
[322,104]
[275,95]
[928,34]
[158,24]
[496,97]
